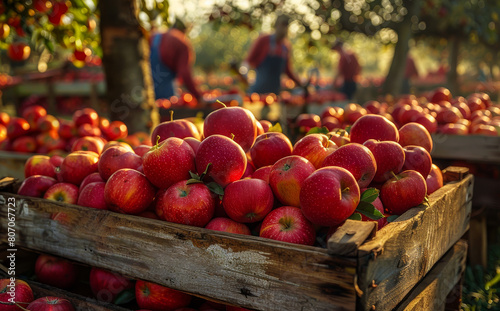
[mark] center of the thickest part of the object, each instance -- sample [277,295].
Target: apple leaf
[318,130]
[275,128]
[348,129]
[125,296]
[194,175]
[194,181]
[216,188]
[392,218]
[355,216]
[370,195]
[369,210]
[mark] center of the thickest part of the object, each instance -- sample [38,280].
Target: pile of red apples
[239,176]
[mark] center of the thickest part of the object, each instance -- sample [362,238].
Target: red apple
[50,303]
[17,127]
[352,112]
[169,162]
[315,148]
[483,129]
[475,104]
[441,94]
[263,173]
[67,129]
[329,196]
[307,121]
[227,225]
[193,142]
[373,127]
[175,128]
[410,114]
[36,186]
[78,165]
[115,158]
[14,291]
[18,51]
[33,113]
[188,204]
[3,133]
[116,130]
[332,112]
[372,106]
[39,165]
[339,138]
[330,123]
[128,191]
[88,130]
[86,116]
[249,170]
[389,156]
[106,285]
[417,159]
[62,192]
[88,143]
[47,123]
[434,180]
[266,125]
[449,115]
[288,224]
[454,129]
[4,118]
[110,144]
[141,150]
[155,297]
[25,144]
[357,159]
[229,121]
[55,271]
[464,109]
[269,148]
[415,134]
[248,200]
[403,191]
[287,176]
[94,177]
[227,158]
[92,195]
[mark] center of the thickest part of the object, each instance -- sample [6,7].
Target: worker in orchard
[348,70]
[270,57]
[172,57]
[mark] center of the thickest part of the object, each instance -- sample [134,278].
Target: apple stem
[218,101]
[171,115]
[15,303]
[157,140]
[395,176]
[346,189]
[232,136]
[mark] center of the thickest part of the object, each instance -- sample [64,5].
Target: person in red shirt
[171,57]
[270,57]
[410,73]
[348,68]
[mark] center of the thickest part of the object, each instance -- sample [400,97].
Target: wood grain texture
[436,288]
[347,239]
[242,270]
[471,147]
[406,249]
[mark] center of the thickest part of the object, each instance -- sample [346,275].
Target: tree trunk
[129,83]
[394,79]
[452,76]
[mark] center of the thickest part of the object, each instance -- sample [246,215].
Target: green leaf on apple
[369,210]
[125,296]
[355,216]
[193,181]
[392,218]
[369,195]
[194,175]
[216,188]
[318,130]
[348,129]
[275,128]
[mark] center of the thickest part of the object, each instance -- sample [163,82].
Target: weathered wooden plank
[12,164]
[405,250]
[80,303]
[242,270]
[436,287]
[347,239]
[470,147]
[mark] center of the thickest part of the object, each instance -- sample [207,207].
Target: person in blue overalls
[270,57]
[171,57]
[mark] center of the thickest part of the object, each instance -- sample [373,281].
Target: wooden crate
[357,271]
[466,147]
[12,164]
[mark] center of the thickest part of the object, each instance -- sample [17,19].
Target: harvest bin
[12,164]
[358,271]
